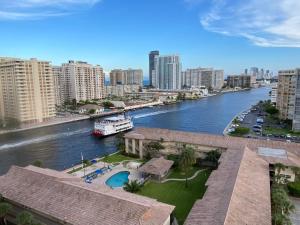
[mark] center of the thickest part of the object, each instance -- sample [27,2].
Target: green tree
[132,186]
[296,170]
[5,208]
[187,159]
[25,218]
[92,111]
[38,163]
[152,149]
[74,102]
[278,177]
[107,104]
[271,110]
[86,162]
[120,142]
[213,156]
[282,207]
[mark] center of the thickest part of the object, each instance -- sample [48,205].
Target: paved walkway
[190,178]
[295,217]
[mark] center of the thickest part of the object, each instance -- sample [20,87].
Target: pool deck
[101,179]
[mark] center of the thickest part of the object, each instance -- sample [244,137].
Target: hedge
[294,188]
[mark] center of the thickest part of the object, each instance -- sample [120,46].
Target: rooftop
[238,192]
[69,200]
[157,166]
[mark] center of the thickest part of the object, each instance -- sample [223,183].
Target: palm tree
[187,159]
[278,168]
[281,206]
[25,218]
[5,208]
[213,156]
[153,148]
[132,186]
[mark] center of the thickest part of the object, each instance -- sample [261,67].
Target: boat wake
[152,114]
[159,112]
[43,139]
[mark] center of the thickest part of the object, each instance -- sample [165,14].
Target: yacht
[112,125]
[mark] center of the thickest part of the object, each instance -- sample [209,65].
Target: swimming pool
[118,179]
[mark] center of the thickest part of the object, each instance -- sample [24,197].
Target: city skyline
[199,32]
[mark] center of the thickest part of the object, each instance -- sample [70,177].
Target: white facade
[207,77]
[274,93]
[167,74]
[120,90]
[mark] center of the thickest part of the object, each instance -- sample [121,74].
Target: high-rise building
[288,96]
[82,81]
[152,66]
[242,81]
[27,92]
[274,93]
[192,78]
[167,74]
[203,77]
[218,79]
[58,84]
[126,77]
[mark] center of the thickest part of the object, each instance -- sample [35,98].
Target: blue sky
[225,34]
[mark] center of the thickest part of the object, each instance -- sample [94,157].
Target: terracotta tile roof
[61,197]
[238,191]
[210,140]
[250,201]
[157,166]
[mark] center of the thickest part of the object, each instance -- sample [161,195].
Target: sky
[224,34]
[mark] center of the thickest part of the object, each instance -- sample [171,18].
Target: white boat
[112,125]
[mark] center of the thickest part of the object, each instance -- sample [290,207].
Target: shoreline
[225,131]
[85,117]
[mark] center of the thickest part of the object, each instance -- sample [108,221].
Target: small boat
[112,125]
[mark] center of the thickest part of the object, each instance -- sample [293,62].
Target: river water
[59,147]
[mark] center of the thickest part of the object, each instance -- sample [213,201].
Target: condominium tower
[242,81]
[152,65]
[207,77]
[79,80]
[288,96]
[26,90]
[167,72]
[58,85]
[126,77]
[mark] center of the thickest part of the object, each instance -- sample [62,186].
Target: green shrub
[240,131]
[294,188]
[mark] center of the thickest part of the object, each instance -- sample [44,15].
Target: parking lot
[257,130]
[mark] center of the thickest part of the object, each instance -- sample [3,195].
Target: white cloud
[37,9]
[267,23]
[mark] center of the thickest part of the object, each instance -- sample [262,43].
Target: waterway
[60,147]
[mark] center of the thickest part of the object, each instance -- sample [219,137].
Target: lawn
[175,193]
[118,157]
[176,173]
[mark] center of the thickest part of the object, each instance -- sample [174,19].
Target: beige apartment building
[26,90]
[126,77]
[207,77]
[58,85]
[79,80]
[288,96]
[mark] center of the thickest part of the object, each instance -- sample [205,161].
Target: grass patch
[118,157]
[177,173]
[273,130]
[175,193]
